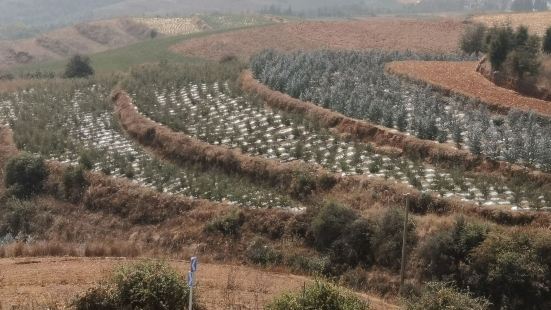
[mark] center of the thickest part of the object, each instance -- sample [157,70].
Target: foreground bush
[25,175]
[437,296]
[147,285]
[319,296]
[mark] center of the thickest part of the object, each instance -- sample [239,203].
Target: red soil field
[428,36]
[462,78]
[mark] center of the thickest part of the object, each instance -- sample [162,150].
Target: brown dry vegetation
[428,36]
[8,86]
[537,22]
[53,281]
[462,78]
[430,151]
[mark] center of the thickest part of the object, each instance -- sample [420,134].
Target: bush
[437,295]
[78,67]
[319,296]
[354,245]
[443,253]
[472,41]
[228,225]
[261,253]
[25,175]
[74,183]
[387,238]
[302,186]
[329,224]
[508,268]
[146,285]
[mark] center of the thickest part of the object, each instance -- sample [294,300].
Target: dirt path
[36,283]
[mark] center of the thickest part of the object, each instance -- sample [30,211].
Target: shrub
[146,285]
[261,253]
[16,217]
[437,295]
[387,238]
[78,67]
[319,296]
[228,225]
[302,186]
[25,175]
[472,41]
[443,253]
[508,269]
[74,183]
[354,245]
[329,224]
[101,297]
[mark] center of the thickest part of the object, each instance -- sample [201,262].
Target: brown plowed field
[42,282]
[429,36]
[462,78]
[537,22]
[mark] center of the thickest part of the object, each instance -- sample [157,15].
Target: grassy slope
[123,58]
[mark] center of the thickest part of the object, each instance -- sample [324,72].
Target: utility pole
[404,241]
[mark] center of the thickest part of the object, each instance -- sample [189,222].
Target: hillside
[105,35]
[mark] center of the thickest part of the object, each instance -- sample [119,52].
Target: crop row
[67,123]
[356,85]
[217,114]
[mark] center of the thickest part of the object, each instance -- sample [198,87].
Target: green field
[121,59]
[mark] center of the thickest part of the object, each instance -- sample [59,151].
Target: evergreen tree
[78,67]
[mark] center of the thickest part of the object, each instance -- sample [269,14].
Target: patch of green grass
[121,59]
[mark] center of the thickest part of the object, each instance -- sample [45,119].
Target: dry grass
[462,78]
[537,22]
[8,86]
[27,282]
[430,36]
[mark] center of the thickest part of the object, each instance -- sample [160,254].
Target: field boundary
[360,130]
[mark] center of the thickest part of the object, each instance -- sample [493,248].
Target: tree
[499,47]
[25,175]
[329,224]
[547,41]
[524,58]
[472,41]
[79,67]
